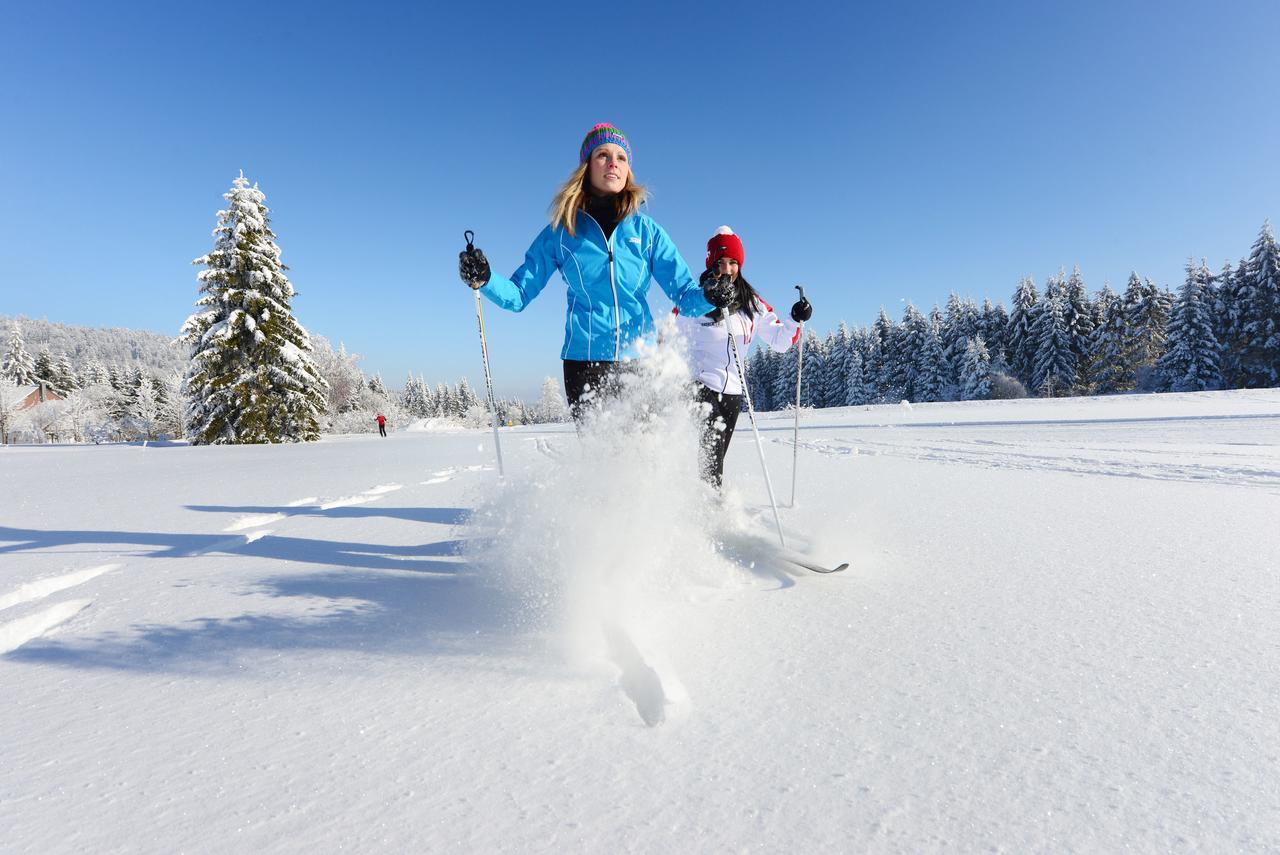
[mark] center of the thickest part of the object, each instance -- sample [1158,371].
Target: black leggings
[587,384]
[717,430]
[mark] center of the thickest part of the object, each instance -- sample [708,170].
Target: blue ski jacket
[607,281]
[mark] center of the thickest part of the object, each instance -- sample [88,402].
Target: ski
[801,561]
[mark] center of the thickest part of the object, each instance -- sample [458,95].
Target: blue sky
[874,154]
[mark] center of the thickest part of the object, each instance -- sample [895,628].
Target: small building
[41,393]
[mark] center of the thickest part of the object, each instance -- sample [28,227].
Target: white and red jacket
[712,355]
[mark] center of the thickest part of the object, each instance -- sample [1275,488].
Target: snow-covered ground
[1060,631]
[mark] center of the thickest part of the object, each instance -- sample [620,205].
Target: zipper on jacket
[617,312]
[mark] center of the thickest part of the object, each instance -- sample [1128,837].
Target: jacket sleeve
[778,333]
[529,279]
[673,276]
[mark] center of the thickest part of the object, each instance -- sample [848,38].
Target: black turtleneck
[604,210]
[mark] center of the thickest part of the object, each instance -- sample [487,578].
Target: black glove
[717,289]
[473,267]
[801,311]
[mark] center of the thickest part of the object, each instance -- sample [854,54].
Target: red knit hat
[725,244]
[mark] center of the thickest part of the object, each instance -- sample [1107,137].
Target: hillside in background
[156,353]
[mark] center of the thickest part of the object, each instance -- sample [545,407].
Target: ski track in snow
[254,521]
[17,633]
[1221,464]
[44,587]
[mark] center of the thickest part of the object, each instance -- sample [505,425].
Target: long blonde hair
[572,197]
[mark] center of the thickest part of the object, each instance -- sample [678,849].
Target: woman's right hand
[717,289]
[473,268]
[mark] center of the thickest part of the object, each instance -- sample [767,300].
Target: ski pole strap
[470,237]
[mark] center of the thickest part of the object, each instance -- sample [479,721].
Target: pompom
[724,230]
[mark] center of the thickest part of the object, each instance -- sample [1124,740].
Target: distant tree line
[1220,331]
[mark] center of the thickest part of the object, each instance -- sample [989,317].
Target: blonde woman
[606,251]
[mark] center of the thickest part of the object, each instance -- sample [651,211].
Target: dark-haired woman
[741,312]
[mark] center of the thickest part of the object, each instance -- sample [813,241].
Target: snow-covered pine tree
[759,379]
[885,362]
[1021,343]
[1260,313]
[836,353]
[1055,369]
[857,390]
[551,407]
[813,376]
[411,397]
[1190,362]
[1109,346]
[95,373]
[467,398]
[994,326]
[379,388]
[1078,313]
[783,377]
[975,374]
[45,371]
[1147,314]
[251,378]
[65,379]
[1226,317]
[932,367]
[18,365]
[963,321]
[908,344]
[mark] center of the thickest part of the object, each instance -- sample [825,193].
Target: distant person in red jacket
[382,424]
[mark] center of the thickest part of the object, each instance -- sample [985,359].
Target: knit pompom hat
[599,135]
[725,244]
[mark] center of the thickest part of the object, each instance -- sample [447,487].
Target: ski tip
[837,569]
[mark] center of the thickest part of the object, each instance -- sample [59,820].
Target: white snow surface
[1060,631]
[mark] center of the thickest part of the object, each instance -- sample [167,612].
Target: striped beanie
[601,134]
[725,244]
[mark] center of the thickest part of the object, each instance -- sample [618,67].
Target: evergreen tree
[1078,313]
[1190,364]
[412,400]
[18,365]
[45,371]
[908,345]
[975,375]
[64,375]
[251,377]
[1021,343]
[1109,348]
[95,374]
[813,374]
[466,398]
[884,365]
[377,387]
[835,356]
[552,407]
[1226,321]
[1055,367]
[758,380]
[857,390]
[931,381]
[1259,309]
[993,328]
[963,321]
[785,367]
[1146,311]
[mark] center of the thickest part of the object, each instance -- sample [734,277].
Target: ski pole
[470,237]
[751,414]
[795,442]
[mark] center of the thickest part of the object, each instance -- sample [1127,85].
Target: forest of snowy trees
[243,370]
[1220,331]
